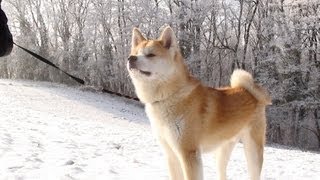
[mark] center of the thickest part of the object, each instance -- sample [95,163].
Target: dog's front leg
[191,164]
[174,166]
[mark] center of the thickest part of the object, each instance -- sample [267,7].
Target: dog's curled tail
[241,78]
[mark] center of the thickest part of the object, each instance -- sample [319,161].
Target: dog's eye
[150,55]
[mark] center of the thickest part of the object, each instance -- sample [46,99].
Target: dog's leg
[222,157]
[253,140]
[191,164]
[173,163]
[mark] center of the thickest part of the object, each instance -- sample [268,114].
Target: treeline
[276,40]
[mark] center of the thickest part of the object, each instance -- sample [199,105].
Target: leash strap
[50,63]
[71,76]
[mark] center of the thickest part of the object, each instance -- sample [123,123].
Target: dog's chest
[165,121]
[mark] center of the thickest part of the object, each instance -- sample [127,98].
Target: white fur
[241,78]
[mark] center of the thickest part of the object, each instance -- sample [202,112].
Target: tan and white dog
[190,118]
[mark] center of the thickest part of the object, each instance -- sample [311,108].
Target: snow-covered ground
[50,131]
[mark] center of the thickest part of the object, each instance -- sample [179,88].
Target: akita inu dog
[188,117]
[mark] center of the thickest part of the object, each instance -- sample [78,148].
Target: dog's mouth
[146,73]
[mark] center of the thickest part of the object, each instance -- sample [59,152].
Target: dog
[189,118]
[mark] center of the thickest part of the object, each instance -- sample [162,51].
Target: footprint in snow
[70,162]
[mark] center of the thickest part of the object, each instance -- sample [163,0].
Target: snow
[50,131]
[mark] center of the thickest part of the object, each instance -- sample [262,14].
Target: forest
[276,40]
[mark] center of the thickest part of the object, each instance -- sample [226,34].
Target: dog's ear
[168,38]
[137,37]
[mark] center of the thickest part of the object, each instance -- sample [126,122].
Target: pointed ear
[168,38]
[137,37]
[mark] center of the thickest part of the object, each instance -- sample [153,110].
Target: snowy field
[50,131]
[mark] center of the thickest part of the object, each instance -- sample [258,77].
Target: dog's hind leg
[253,140]
[222,156]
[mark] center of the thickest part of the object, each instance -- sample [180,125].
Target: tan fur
[190,118]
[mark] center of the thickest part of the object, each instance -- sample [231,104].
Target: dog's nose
[132,58]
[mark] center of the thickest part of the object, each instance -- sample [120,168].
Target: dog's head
[152,60]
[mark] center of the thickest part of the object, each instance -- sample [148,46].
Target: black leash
[50,63]
[71,76]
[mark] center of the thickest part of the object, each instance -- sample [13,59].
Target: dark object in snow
[70,162]
[6,42]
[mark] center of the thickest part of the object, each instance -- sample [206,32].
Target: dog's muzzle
[132,64]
